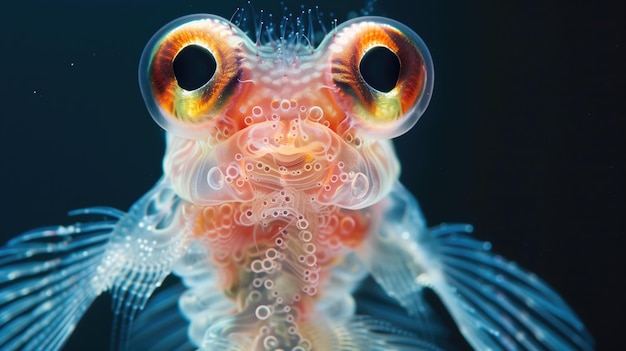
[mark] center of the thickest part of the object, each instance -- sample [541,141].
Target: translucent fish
[280,195]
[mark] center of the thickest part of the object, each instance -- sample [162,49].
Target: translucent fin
[161,317]
[372,335]
[50,276]
[45,277]
[357,334]
[147,243]
[495,304]
[215,342]
[427,325]
[366,334]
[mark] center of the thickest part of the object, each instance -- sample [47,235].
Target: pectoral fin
[495,304]
[46,281]
[50,276]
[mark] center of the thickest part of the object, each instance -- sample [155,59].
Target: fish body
[280,194]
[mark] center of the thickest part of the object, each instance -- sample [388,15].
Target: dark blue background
[524,136]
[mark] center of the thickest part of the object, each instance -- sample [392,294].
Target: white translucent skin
[210,175]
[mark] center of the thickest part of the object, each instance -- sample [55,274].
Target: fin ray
[162,317]
[368,334]
[495,304]
[42,282]
[149,240]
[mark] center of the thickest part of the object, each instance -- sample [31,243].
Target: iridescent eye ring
[380,114]
[178,110]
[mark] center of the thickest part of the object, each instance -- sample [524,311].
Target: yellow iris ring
[376,110]
[204,103]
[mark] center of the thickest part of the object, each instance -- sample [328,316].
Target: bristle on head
[292,31]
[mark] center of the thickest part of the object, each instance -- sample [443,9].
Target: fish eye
[193,67]
[379,68]
[189,72]
[383,74]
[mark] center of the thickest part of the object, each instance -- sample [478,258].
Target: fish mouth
[289,160]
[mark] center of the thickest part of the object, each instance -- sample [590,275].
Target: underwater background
[524,136]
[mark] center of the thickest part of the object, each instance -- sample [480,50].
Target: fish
[280,196]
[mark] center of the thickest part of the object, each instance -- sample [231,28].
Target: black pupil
[380,68]
[193,67]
